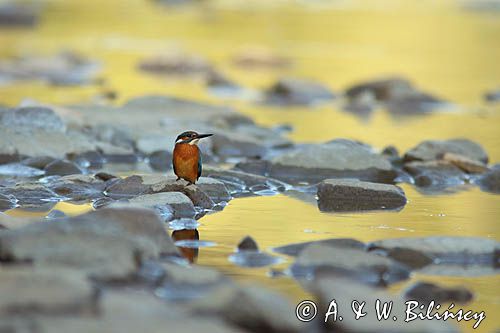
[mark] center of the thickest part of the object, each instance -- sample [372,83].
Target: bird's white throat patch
[193,142]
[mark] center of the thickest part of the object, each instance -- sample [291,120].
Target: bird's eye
[193,135]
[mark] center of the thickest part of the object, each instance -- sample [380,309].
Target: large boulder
[354,195]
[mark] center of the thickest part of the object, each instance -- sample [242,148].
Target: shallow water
[444,49]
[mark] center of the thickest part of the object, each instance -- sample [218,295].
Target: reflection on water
[443,49]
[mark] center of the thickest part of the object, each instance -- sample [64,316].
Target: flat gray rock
[295,249]
[355,195]
[62,168]
[490,181]
[32,117]
[257,309]
[318,259]
[45,290]
[447,249]
[129,235]
[181,205]
[291,91]
[78,187]
[345,291]
[432,150]
[335,159]
[435,175]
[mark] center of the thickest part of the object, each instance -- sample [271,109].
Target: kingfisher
[187,156]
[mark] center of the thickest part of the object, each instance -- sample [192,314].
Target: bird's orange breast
[185,161]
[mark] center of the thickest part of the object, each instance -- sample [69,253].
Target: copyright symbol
[306,311]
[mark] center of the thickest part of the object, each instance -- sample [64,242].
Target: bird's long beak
[201,136]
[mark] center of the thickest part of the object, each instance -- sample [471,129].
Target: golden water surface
[444,49]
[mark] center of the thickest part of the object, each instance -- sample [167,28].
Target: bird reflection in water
[190,253]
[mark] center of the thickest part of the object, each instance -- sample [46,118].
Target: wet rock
[214,188]
[150,184]
[253,259]
[361,104]
[447,249]
[320,259]
[104,176]
[344,291]
[78,187]
[426,292]
[290,91]
[39,162]
[88,160]
[237,146]
[490,181]
[7,202]
[30,194]
[416,103]
[40,142]
[336,159]
[492,96]
[194,192]
[62,168]
[295,249]
[216,79]
[28,291]
[257,309]
[12,14]
[129,235]
[391,152]
[181,206]
[248,244]
[237,181]
[55,214]
[433,149]
[102,202]
[411,258]
[397,94]
[160,160]
[435,175]
[19,170]
[382,89]
[9,155]
[460,270]
[32,117]
[355,195]
[175,64]
[248,255]
[65,68]
[465,163]
[181,283]
[260,58]
[184,224]
[145,313]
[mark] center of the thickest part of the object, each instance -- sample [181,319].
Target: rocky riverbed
[350,161]
[132,255]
